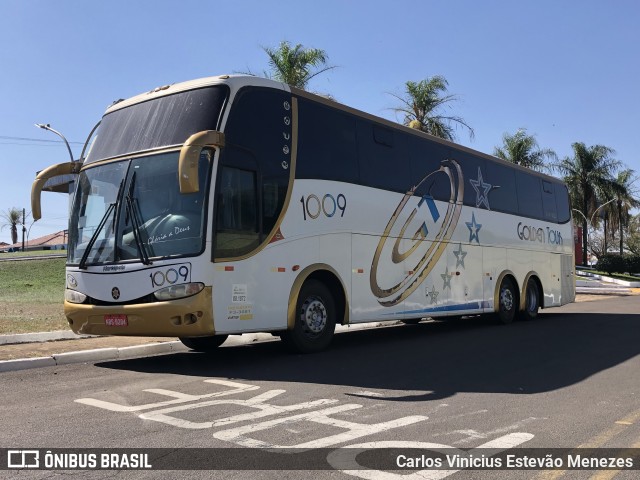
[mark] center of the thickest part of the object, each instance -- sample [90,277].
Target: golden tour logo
[425,214]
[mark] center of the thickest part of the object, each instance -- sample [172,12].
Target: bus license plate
[116,320]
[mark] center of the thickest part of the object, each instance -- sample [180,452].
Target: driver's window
[237,220]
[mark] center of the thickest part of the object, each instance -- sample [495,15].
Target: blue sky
[565,70]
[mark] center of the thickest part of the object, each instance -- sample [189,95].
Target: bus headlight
[72,296]
[178,291]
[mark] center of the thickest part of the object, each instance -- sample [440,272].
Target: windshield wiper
[132,211]
[94,237]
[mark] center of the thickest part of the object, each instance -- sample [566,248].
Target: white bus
[237,204]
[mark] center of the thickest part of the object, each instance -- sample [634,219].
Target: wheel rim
[506,299]
[313,315]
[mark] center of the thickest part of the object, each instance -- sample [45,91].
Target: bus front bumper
[186,317]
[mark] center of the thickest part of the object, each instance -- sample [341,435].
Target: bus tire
[315,319]
[204,344]
[531,301]
[507,302]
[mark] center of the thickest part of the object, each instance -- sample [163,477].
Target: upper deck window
[163,121]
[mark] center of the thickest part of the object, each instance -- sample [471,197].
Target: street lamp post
[46,126]
[590,222]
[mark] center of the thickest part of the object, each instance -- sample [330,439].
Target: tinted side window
[529,195]
[503,195]
[426,157]
[260,122]
[259,139]
[562,203]
[384,159]
[474,169]
[327,143]
[549,202]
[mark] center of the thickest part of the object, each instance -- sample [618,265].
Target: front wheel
[507,302]
[531,301]
[315,319]
[204,344]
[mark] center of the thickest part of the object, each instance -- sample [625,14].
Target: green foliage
[614,263]
[12,218]
[296,65]
[422,106]
[523,150]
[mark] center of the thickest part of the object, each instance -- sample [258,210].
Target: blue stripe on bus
[445,308]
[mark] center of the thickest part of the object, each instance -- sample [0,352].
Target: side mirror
[190,155]
[68,168]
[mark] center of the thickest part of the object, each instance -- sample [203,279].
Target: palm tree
[523,150]
[622,189]
[422,104]
[588,175]
[296,65]
[12,218]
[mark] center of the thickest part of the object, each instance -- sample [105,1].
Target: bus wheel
[507,302]
[531,301]
[315,319]
[204,344]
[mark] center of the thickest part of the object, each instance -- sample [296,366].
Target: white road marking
[473,434]
[345,459]
[177,397]
[257,402]
[354,430]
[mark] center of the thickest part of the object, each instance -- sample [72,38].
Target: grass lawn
[31,253]
[31,296]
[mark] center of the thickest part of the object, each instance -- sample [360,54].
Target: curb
[85,356]
[41,337]
[603,291]
[126,353]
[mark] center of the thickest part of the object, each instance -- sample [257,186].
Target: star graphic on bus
[474,228]
[447,279]
[433,294]
[482,190]
[460,254]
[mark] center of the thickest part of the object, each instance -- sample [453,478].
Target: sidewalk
[34,350]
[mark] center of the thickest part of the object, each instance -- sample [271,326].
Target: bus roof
[238,81]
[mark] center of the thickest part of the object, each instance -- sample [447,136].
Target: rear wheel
[531,301]
[204,344]
[315,319]
[507,302]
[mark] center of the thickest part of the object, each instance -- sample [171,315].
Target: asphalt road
[567,380]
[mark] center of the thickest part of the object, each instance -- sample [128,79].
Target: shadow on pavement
[435,359]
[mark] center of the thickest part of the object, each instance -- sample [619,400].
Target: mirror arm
[190,155]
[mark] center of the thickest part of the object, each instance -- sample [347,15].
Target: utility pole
[23,228]
[620,224]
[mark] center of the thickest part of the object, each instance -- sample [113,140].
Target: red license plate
[116,320]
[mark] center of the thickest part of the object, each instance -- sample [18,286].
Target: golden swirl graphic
[389,297]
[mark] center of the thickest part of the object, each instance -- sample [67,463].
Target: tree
[422,106]
[12,218]
[523,150]
[632,241]
[296,65]
[588,175]
[623,191]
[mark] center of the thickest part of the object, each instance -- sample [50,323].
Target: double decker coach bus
[237,204]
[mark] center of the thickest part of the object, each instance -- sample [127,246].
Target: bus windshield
[160,122]
[133,210]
